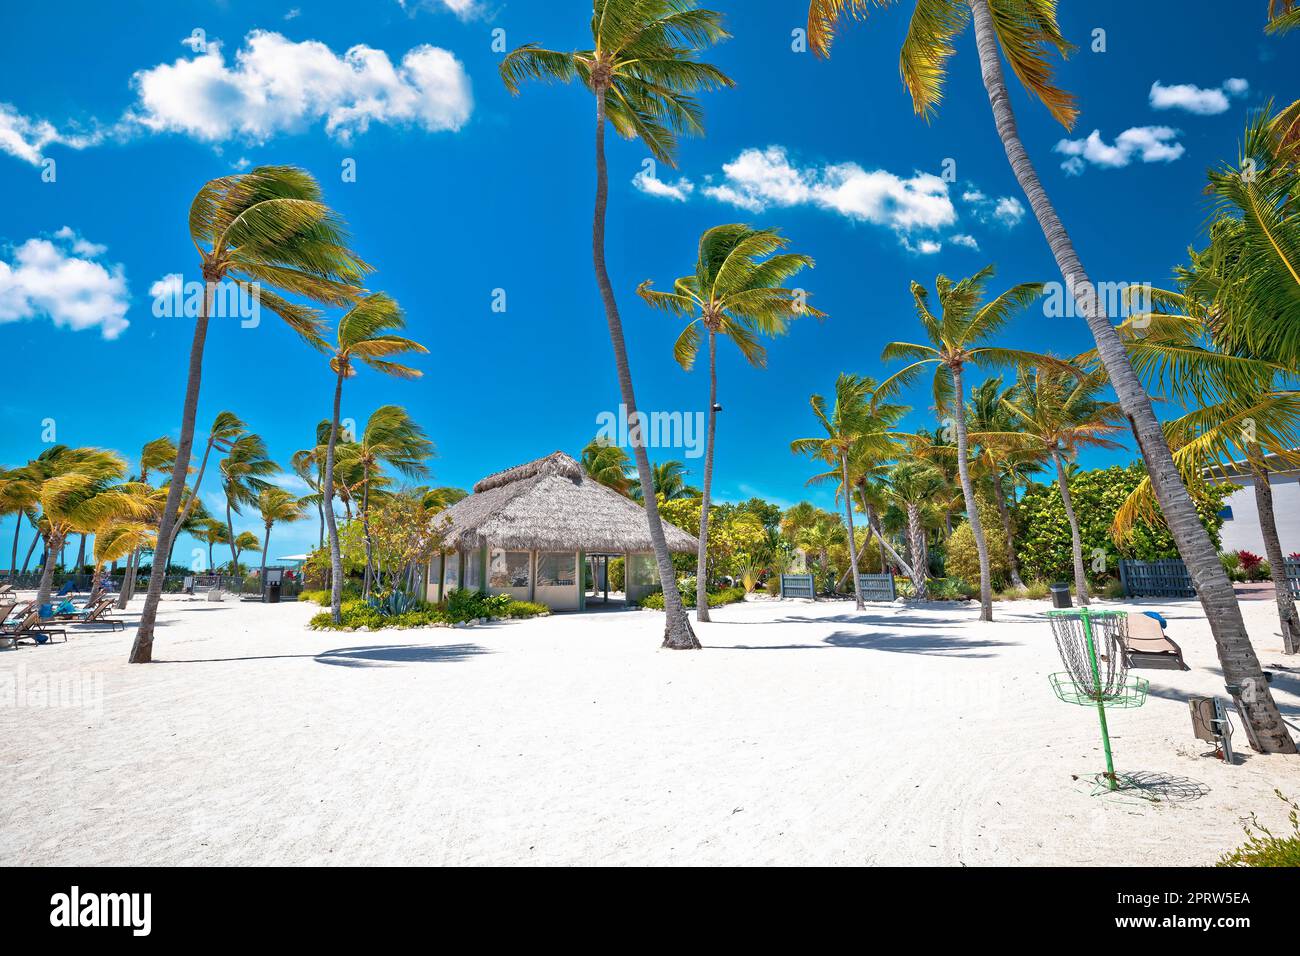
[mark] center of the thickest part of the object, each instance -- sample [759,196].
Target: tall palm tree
[244,541]
[262,230]
[391,437]
[156,455]
[226,428]
[1027,33]
[1060,413]
[367,334]
[244,474]
[211,532]
[737,290]
[608,464]
[275,504]
[642,69]
[848,423]
[19,496]
[988,416]
[955,336]
[119,538]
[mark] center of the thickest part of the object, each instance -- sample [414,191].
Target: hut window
[472,581]
[452,577]
[508,569]
[556,569]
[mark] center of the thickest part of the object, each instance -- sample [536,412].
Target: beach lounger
[1149,648]
[30,628]
[96,614]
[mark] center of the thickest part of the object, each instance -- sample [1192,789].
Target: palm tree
[244,473]
[965,321]
[988,417]
[1028,33]
[1057,413]
[78,493]
[912,483]
[119,538]
[226,428]
[19,496]
[642,69]
[1283,15]
[608,464]
[737,290]
[367,335]
[157,455]
[848,423]
[244,541]
[669,483]
[262,230]
[391,437]
[211,532]
[275,504]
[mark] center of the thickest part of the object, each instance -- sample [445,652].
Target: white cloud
[26,138]
[651,185]
[758,179]
[293,14]
[60,279]
[1194,99]
[278,85]
[1004,210]
[1151,144]
[465,9]
[923,247]
[962,239]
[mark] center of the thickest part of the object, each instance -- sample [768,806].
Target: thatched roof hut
[551,505]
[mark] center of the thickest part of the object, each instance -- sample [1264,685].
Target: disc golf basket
[1093,650]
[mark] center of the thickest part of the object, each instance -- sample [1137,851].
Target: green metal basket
[1132,693]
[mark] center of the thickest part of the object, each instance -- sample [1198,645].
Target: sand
[803,734]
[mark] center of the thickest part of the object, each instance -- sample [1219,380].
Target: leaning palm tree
[276,505]
[737,290]
[244,474]
[19,496]
[642,70]
[115,540]
[366,335]
[226,428]
[965,321]
[988,416]
[1056,413]
[211,532]
[156,455]
[244,541]
[911,484]
[1027,33]
[847,424]
[262,230]
[391,437]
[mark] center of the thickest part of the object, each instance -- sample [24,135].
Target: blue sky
[461,190]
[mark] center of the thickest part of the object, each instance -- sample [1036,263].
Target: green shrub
[716,598]
[461,605]
[962,558]
[951,589]
[316,597]
[1114,589]
[1262,848]
[1037,590]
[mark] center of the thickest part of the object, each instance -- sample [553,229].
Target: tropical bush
[1037,590]
[716,598]
[460,606]
[1043,544]
[962,559]
[1252,565]
[1262,848]
[954,588]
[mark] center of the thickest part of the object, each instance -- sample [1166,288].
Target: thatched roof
[551,505]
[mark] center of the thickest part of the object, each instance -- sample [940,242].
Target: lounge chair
[95,614]
[31,628]
[1149,648]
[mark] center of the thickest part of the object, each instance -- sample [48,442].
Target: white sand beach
[802,734]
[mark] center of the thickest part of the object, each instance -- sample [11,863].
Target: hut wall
[641,577]
[558,580]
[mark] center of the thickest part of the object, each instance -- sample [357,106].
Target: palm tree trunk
[701,566]
[188,507]
[320,513]
[336,552]
[266,545]
[142,647]
[13,560]
[968,493]
[1236,654]
[95,579]
[678,633]
[1076,539]
[81,555]
[128,580]
[853,544]
[916,539]
[230,530]
[1004,513]
[365,533]
[31,548]
[885,546]
[1286,611]
[47,571]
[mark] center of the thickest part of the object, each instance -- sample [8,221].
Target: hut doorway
[601,590]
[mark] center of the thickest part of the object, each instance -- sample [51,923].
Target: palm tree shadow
[937,645]
[388,655]
[1285,686]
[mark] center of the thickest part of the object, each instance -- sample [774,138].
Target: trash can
[1061,595]
[273,592]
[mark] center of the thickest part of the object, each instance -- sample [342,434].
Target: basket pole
[1101,706]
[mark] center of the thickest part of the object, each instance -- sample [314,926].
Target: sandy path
[803,734]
